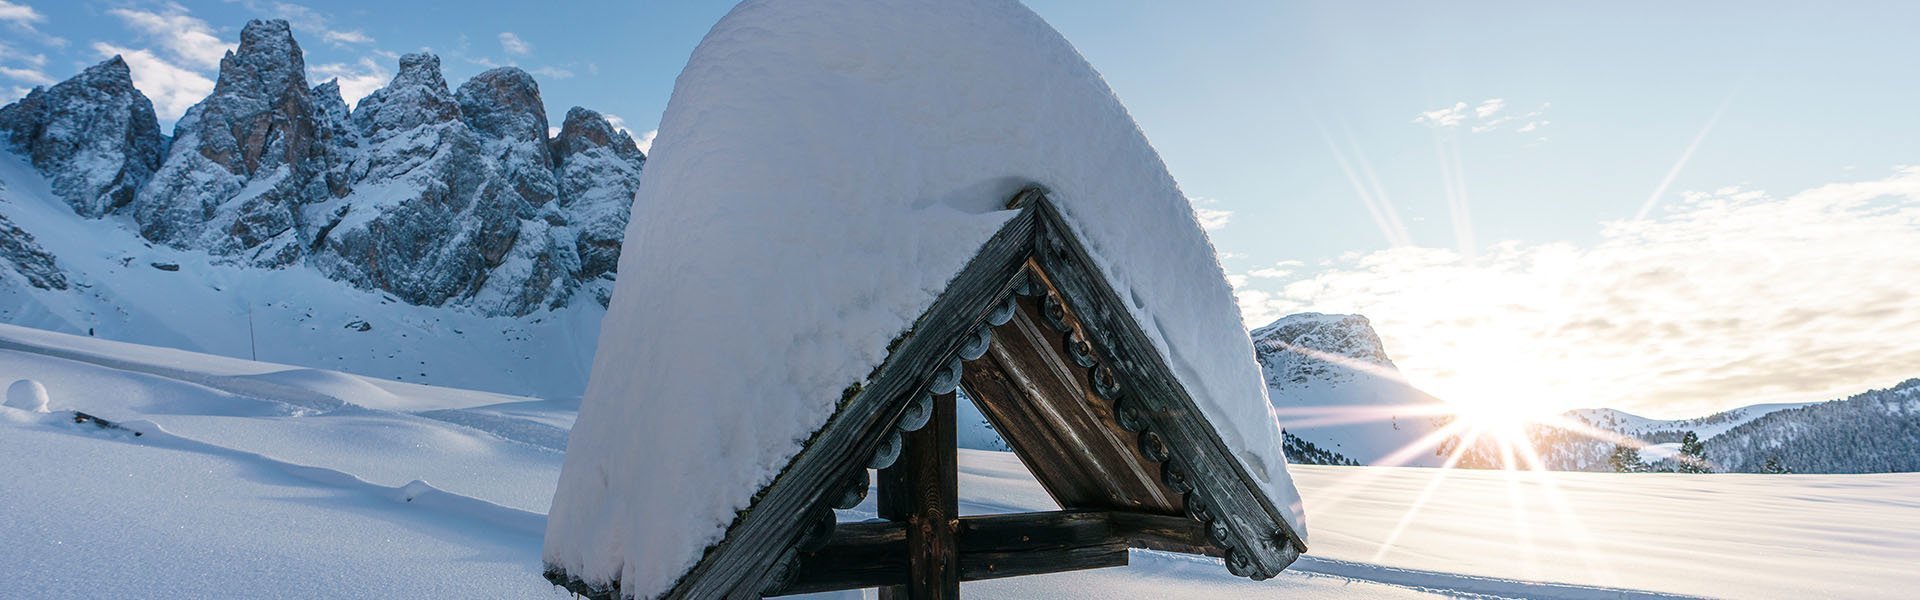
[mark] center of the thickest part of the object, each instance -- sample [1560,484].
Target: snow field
[231,495]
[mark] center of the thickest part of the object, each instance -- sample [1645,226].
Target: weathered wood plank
[1248,524]
[926,482]
[1041,404]
[873,554]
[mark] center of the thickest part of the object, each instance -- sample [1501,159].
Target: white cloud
[1484,117]
[552,72]
[13,93]
[25,75]
[185,38]
[11,54]
[1443,117]
[513,44]
[19,13]
[1212,218]
[173,89]
[305,20]
[645,140]
[1734,297]
[1489,107]
[341,38]
[22,17]
[553,132]
[356,80]
[1278,270]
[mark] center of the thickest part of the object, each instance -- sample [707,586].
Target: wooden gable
[1051,355]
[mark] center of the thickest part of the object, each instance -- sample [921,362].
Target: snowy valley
[251,476]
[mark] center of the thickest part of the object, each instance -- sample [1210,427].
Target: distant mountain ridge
[1339,395]
[1873,432]
[1877,431]
[437,196]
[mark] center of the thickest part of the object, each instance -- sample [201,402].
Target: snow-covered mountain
[1658,429]
[435,196]
[276,222]
[1872,432]
[1340,395]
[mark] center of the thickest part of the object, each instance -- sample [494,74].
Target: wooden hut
[838,232]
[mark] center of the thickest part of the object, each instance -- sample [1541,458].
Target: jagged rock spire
[94,136]
[416,96]
[599,170]
[246,159]
[504,106]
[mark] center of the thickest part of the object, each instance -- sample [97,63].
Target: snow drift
[823,169]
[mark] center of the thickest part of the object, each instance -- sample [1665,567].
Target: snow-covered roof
[823,169]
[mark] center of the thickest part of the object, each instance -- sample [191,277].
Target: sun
[1498,398]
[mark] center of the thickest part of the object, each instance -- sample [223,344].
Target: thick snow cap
[823,169]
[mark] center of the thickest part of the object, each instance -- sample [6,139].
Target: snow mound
[823,169]
[27,395]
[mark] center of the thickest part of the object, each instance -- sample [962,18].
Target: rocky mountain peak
[505,103]
[599,169]
[585,129]
[420,69]
[416,96]
[504,106]
[94,135]
[247,158]
[111,73]
[1300,348]
[268,64]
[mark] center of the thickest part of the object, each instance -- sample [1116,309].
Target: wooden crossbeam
[875,553]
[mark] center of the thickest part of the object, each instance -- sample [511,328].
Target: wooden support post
[922,489]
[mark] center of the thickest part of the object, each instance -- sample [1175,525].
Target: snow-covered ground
[252,479]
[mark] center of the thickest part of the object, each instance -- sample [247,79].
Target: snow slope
[248,480]
[1706,427]
[1333,385]
[293,316]
[812,191]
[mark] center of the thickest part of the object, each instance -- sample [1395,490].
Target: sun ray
[1426,494]
[1685,156]
[1383,216]
[1581,537]
[1358,479]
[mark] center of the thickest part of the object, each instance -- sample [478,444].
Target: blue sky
[1335,145]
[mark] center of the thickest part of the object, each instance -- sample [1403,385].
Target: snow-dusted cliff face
[434,196]
[94,136]
[244,160]
[1340,395]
